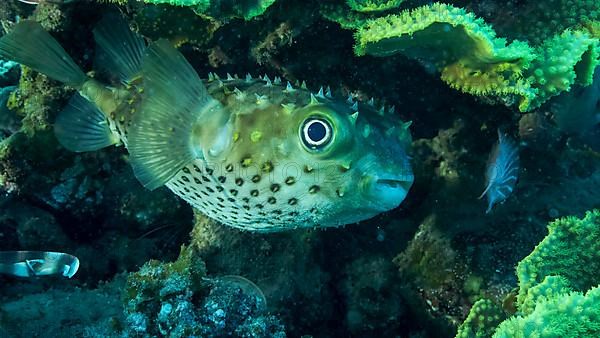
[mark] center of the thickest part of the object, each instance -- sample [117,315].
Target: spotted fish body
[268,180]
[249,152]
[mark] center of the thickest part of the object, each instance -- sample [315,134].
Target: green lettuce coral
[572,315]
[221,9]
[472,59]
[571,250]
[482,320]
[536,21]
[552,280]
[373,5]
[461,46]
[563,60]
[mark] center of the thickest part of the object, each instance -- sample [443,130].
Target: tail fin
[29,44]
[160,139]
[120,50]
[81,126]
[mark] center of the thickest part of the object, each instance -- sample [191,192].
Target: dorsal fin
[120,50]
[160,140]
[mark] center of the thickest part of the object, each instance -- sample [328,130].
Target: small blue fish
[502,171]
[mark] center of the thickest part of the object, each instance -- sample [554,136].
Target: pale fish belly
[243,199]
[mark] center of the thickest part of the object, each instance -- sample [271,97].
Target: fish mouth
[389,192]
[392,183]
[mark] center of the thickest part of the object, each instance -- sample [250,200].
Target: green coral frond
[439,33]
[551,287]
[340,14]
[484,317]
[221,9]
[571,250]
[373,5]
[572,315]
[501,81]
[461,46]
[563,60]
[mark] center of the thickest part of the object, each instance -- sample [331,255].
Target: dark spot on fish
[197,181]
[205,179]
[277,212]
[239,181]
[185,178]
[220,205]
[196,169]
[275,187]
[209,171]
[256,178]
[292,201]
[210,189]
[229,168]
[271,200]
[221,179]
[260,206]
[290,180]
[186,170]
[186,190]
[254,193]
[220,188]
[246,199]
[220,199]
[262,213]
[247,207]
[204,193]
[267,167]
[233,192]
[245,162]
[314,189]
[232,200]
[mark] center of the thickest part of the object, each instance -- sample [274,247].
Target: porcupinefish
[252,153]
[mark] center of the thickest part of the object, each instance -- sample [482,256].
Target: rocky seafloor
[151,266]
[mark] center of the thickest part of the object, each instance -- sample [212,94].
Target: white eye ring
[306,133]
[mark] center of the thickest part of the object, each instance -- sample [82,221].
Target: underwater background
[495,91]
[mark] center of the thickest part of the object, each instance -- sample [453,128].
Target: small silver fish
[502,171]
[38,263]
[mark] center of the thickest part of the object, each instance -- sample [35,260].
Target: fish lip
[389,191]
[396,182]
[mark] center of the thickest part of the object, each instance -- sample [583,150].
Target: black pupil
[317,131]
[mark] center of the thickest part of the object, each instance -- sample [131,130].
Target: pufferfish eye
[316,133]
